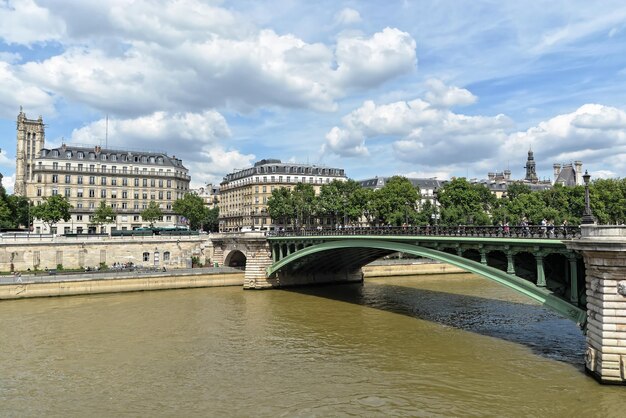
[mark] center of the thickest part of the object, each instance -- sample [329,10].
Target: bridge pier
[604,252]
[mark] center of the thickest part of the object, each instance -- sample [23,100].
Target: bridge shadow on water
[544,332]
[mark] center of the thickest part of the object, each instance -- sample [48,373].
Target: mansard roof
[119,156]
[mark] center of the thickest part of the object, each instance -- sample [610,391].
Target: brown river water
[403,346]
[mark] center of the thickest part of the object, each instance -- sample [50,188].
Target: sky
[416,88]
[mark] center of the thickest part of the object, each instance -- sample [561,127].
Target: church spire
[531,171]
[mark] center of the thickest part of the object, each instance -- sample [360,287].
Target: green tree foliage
[52,210]
[463,203]
[104,214]
[211,222]
[339,201]
[151,213]
[304,203]
[396,203]
[280,206]
[20,211]
[191,206]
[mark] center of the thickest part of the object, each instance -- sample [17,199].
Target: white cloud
[178,133]
[140,57]
[214,162]
[8,182]
[24,22]
[366,62]
[441,95]
[5,160]
[347,16]
[15,92]
[592,133]
[420,131]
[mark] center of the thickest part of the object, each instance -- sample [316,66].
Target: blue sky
[418,88]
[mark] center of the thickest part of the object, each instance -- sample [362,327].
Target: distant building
[126,180]
[427,186]
[244,192]
[210,195]
[567,175]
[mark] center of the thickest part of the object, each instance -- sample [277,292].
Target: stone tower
[531,172]
[30,141]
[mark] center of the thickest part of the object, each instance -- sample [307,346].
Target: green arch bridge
[535,263]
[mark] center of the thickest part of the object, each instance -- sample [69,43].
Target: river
[412,346]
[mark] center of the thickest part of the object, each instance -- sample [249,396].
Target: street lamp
[588,218]
[435,195]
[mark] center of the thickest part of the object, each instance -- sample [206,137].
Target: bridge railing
[530,231]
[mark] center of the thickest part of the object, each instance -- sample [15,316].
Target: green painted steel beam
[526,288]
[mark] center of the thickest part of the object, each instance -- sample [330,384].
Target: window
[55,178]
[38,178]
[264,189]
[68,192]
[91,206]
[55,192]
[124,205]
[103,193]
[68,179]
[103,157]
[38,191]
[144,196]
[124,181]
[79,217]
[136,195]
[68,166]
[169,183]
[136,218]
[81,156]
[124,194]
[92,167]
[146,256]
[92,180]
[124,170]
[103,180]
[169,195]
[92,193]
[114,182]
[152,182]
[79,180]
[145,182]
[161,195]
[136,182]
[79,193]
[55,166]
[113,194]
[160,183]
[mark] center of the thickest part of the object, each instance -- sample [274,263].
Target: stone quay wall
[21,253]
[127,283]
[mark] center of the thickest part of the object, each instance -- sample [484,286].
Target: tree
[303,198]
[466,204]
[191,206]
[20,211]
[340,198]
[211,222]
[151,213]
[280,206]
[52,210]
[396,203]
[104,214]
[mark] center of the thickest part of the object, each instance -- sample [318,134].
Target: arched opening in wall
[556,271]
[498,260]
[525,266]
[236,259]
[292,248]
[472,254]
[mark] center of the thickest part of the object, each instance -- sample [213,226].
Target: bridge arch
[356,253]
[235,258]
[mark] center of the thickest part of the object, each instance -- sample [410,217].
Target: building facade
[127,181]
[244,193]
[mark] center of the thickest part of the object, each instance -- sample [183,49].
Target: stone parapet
[161,251]
[604,251]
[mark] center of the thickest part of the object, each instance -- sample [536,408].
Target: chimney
[578,168]
[491,176]
[507,175]
[557,171]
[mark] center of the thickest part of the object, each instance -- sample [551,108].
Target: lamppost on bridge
[435,202]
[588,218]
